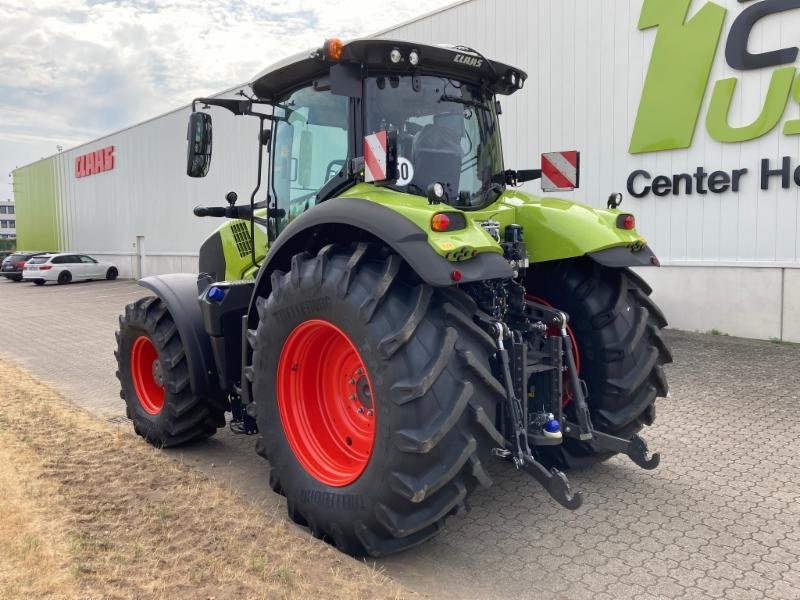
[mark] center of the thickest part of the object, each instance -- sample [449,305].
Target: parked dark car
[11,267]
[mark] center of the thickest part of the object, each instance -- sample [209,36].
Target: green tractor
[390,314]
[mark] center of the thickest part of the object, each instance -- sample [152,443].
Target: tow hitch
[553,480]
[635,448]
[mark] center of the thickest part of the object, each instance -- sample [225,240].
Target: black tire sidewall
[143,420]
[64,277]
[111,274]
[429,366]
[606,309]
[285,315]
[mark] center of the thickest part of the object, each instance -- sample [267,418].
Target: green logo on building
[680,69]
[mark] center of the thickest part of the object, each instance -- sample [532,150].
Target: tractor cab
[438,103]
[435,105]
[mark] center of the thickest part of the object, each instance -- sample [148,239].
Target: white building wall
[8,219]
[725,254]
[147,199]
[732,260]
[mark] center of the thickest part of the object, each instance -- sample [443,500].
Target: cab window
[309,149]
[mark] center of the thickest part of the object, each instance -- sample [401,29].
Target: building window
[7,224]
[6,210]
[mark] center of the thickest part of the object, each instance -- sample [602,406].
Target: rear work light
[448,221]
[626,222]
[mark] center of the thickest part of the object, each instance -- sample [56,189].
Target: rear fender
[558,229]
[347,220]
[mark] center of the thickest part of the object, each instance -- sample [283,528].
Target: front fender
[558,229]
[178,291]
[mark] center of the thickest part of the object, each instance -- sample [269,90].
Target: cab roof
[458,62]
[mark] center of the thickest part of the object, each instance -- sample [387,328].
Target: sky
[73,70]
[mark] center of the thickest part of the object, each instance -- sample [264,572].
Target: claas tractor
[388,313]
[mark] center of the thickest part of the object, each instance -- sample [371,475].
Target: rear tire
[154,376]
[112,273]
[64,277]
[434,398]
[622,352]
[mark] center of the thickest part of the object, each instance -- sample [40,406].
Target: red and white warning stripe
[375,157]
[560,170]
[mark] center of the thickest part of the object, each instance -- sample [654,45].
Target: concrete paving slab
[720,518]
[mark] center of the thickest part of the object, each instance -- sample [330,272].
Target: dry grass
[87,511]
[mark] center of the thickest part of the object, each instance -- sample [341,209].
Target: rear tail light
[626,222]
[440,222]
[45,267]
[448,221]
[20,264]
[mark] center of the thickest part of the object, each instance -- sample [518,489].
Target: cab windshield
[447,132]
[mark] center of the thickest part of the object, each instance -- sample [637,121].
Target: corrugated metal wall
[587,61]
[35,201]
[147,196]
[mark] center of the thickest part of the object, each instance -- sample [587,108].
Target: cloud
[73,70]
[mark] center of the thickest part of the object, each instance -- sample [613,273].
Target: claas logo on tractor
[387,314]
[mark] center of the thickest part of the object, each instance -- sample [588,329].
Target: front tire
[112,273]
[622,352]
[154,376]
[428,385]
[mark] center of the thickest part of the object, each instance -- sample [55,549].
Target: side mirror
[561,171]
[380,156]
[198,154]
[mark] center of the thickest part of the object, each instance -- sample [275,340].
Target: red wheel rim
[146,375]
[555,330]
[326,403]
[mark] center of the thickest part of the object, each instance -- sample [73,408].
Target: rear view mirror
[198,155]
[561,171]
[380,156]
